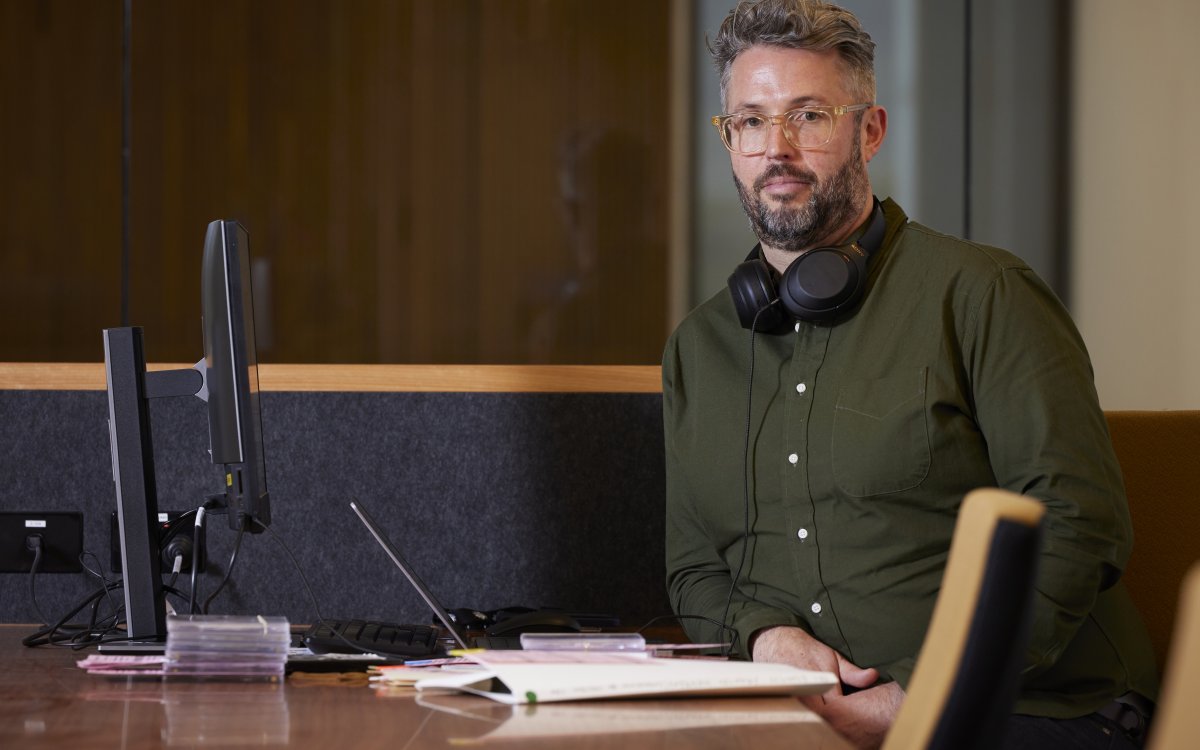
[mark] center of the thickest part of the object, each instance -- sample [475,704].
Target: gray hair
[797,24]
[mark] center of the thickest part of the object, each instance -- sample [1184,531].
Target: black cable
[46,635]
[108,635]
[85,631]
[237,545]
[745,479]
[97,628]
[726,644]
[94,623]
[304,579]
[176,566]
[197,543]
[34,542]
[99,574]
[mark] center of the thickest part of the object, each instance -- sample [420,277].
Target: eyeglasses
[746,133]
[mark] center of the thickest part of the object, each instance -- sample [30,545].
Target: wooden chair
[1176,724]
[965,681]
[1159,453]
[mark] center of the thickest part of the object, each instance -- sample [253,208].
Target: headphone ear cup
[822,283]
[752,286]
[815,287]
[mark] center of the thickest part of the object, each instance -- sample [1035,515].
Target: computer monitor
[227,378]
[231,375]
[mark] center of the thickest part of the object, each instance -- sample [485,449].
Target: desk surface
[46,701]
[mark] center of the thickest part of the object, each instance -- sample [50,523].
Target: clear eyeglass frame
[727,127]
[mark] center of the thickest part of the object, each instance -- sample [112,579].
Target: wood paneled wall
[60,177]
[449,181]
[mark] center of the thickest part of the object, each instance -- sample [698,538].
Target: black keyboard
[384,638]
[496,642]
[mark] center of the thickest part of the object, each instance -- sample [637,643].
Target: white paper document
[515,683]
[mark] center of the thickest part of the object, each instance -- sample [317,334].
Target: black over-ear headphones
[815,287]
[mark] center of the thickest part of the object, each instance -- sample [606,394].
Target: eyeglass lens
[748,133]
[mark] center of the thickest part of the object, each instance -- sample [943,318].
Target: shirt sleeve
[1036,405]
[699,575]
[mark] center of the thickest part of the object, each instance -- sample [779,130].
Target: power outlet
[62,542]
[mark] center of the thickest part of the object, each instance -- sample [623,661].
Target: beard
[833,203]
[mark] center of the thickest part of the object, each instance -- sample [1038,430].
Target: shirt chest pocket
[880,436]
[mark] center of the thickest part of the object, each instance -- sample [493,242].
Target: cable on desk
[106,628]
[98,573]
[96,630]
[50,634]
[60,631]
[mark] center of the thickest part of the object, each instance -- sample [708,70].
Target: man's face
[799,199]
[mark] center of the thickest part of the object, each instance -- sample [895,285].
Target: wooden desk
[46,701]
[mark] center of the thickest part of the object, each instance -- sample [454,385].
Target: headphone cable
[745,481]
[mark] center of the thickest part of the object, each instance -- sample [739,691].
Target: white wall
[1135,219]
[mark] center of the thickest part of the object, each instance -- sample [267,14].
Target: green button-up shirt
[959,369]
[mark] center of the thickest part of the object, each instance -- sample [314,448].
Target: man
[815,469]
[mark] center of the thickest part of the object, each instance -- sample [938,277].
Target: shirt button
[801,388]
[803,534]
[797,326]
[816,608]
[793,458]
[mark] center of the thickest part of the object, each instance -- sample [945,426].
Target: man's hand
[791,645]
[865,717]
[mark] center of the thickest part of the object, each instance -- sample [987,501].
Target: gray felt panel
[497,499]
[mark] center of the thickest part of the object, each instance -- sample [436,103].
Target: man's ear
[874,128]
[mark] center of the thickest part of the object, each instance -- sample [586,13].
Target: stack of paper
[227,646]
[531,677]
[123,664]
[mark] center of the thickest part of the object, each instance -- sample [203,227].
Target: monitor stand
[133,648]
[129,389]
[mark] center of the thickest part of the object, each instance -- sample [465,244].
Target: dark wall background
[497,499]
